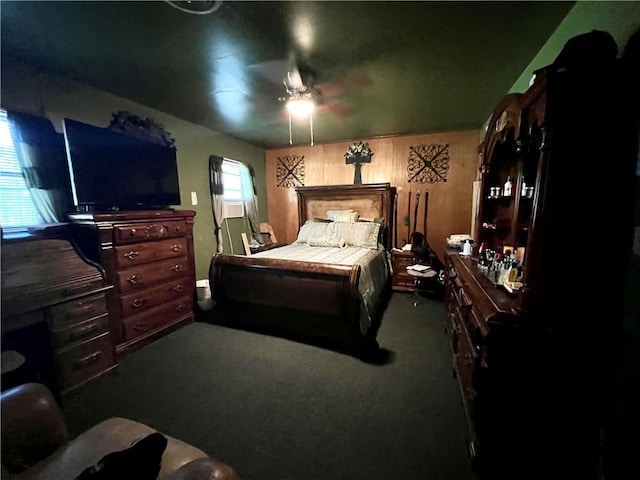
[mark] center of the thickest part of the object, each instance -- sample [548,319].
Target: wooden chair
[247,246]
[267,234]
[268,237]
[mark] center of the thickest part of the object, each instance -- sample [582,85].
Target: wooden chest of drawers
[148,256]
[54,310]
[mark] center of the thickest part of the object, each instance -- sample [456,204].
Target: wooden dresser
[148,256]
[54,309]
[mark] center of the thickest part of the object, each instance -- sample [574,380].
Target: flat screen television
[113,171]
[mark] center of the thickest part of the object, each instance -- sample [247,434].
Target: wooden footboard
[253,286]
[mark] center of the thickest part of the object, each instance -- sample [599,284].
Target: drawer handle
[468,359]
[178,288]
[132,232]
[178,268]
[180,307]
[133,279]
[155,230]
[83,331]
[88,360]
[132,254]
[80,310]
[140,326]
[176,248]
[137,302]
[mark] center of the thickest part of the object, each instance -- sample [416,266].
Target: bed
[332,283]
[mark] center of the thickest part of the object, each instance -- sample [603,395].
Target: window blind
[16,206]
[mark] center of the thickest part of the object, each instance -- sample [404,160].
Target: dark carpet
[278,409]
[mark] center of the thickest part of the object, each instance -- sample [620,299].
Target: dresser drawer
[135,232]
[80,331]
[144,276]
[142,300]
[404,281]
[155,317]
[78,310]
[139,253]
[84,361]
[403,261]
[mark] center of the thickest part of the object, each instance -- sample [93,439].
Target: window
[232,181]
[237,188]
[16,205]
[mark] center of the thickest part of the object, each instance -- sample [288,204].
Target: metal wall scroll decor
[428,163]
[357,154]
[290,171]
[147,129]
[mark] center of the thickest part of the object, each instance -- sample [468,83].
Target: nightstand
[402,281]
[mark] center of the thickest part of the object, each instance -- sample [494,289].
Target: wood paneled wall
[450,202]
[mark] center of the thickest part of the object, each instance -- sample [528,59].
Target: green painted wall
[27,90]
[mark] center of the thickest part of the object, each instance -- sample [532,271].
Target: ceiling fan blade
[337,109]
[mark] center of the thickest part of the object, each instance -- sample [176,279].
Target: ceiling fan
[301,98]
[300,87]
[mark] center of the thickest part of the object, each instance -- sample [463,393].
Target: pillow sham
[309,229]
[330,238]
[331,214]
[383,228]
[360,234]
[349,217]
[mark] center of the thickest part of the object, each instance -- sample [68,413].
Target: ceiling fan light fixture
[300,107]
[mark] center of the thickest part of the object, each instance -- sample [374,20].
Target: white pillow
[360,234]
[309,229]
[329,238]
[346,217]
[331,214]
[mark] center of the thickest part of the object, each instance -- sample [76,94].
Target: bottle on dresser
[506,189]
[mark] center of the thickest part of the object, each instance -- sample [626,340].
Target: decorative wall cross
[356,155]
[290,171]
[428,163]
[357,161]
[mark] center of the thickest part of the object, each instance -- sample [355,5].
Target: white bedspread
[374,269]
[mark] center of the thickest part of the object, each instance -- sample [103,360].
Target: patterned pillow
[331,214]
[309,229]
[346,217]
[360,234]
[329,238]
[383,228]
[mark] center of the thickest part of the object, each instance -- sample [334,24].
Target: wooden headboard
[375,200]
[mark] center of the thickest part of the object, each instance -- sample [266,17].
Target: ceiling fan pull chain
[290,140]
[311,126]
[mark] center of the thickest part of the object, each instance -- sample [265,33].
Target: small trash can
[205,302]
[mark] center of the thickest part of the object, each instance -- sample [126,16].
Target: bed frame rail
[256,283]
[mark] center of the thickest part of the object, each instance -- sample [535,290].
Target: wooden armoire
[537,366]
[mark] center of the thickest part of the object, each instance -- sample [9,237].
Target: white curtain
[217,197]
[250,194]
[41,153]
